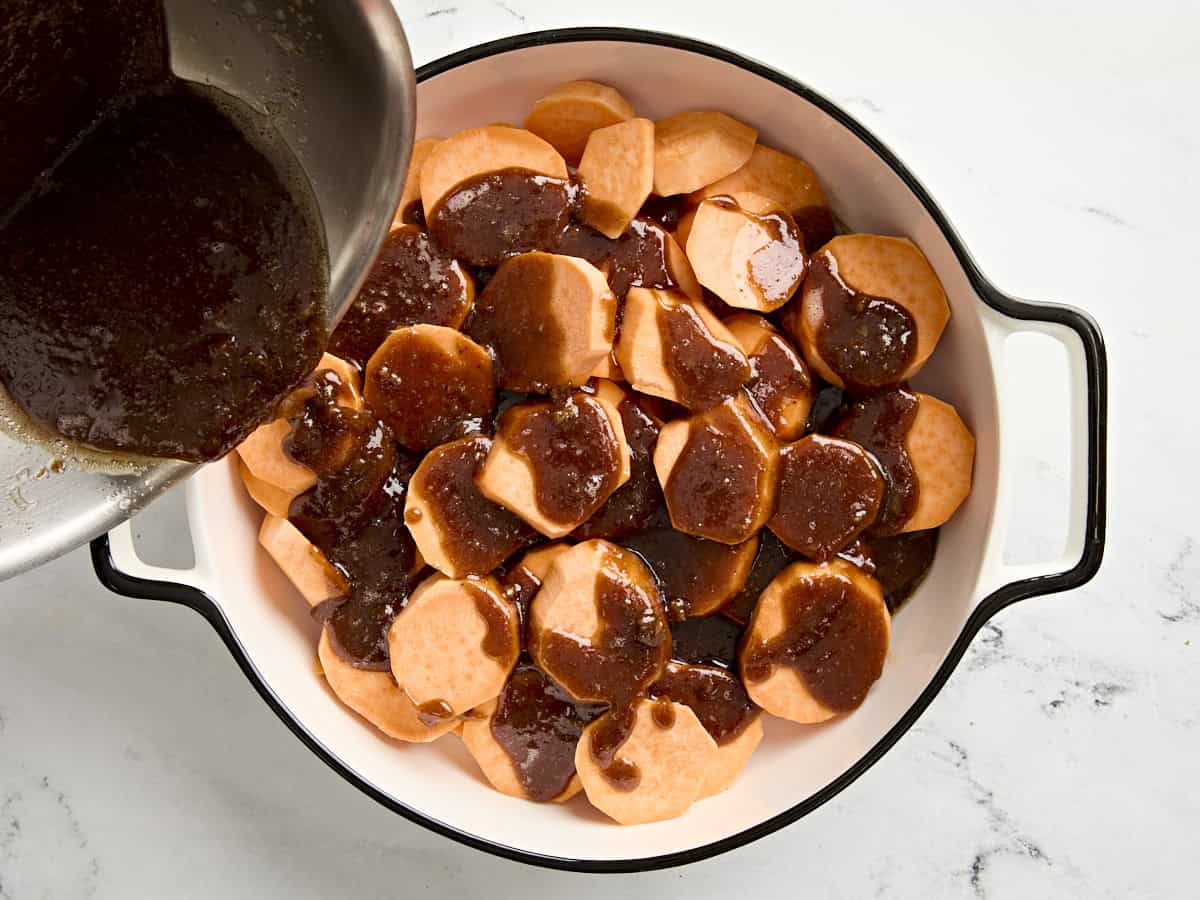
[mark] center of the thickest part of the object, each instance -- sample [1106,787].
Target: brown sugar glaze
[707,641]
[480,534]
[607,735]
[412,282]
[573,451]
[708,487]
[353,514]
[527,345]
[500,640]
[489,218]
[632,506]
[816,226]
[779,266]
[880,423]
[772,558]
[868,341]
[830,491]
[778,378]
[628,653]
[834,639]
[632,645]
[828,403]
[705,370]
[638,258]
[538,725]
[426,395]
[716,696]
[692,572]
[162,281]
[900,563]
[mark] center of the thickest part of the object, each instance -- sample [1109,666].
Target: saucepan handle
[1087,383]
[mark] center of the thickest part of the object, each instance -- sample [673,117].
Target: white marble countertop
[1064,142]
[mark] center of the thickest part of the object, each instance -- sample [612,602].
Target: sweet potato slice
[412,181]
[479,151]
[694,149]
[571,112]
[617,171]
[750,261]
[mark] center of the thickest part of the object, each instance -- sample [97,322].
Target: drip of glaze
[880,423]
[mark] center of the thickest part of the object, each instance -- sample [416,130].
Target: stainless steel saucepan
[336,80]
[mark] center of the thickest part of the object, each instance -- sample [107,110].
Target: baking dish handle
[122,571]
[1087,382]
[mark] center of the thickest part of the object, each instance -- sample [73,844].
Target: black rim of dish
[1096,370]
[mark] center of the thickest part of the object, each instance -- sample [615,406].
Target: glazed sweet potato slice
[524,741]
[673,347]
[457,529]
[549,319]
[786,183]
[480,151]
[430,384]
[453,645]
[750,261]
[410,199]
[942,451]
[780,385]
[377,698]
[646,763]
[263,453]
[871,312]
[493,192]
[554,463]
[816,642]
[305,566]
[718,472]
[597,624]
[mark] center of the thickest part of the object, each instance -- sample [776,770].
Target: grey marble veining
[1064,143]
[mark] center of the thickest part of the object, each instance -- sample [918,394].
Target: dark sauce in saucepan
[162,285]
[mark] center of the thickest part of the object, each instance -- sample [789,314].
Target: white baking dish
[268,628]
